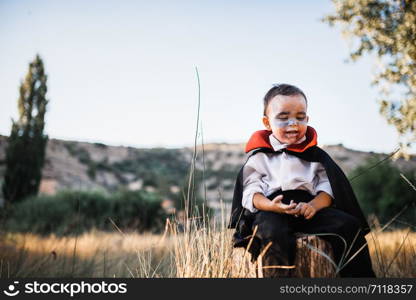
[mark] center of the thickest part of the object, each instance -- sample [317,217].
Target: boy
[288,184]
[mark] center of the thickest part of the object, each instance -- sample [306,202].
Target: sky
[124,72]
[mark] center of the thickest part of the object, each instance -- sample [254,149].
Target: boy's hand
[307,210]
[279,207]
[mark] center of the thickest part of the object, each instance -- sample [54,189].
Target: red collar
[260,139]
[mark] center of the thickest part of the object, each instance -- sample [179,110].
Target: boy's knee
[271,226]
[276,234]
[349,225]
[352,223]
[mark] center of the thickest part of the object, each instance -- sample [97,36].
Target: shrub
[138,209]
[383,192]
[72,212]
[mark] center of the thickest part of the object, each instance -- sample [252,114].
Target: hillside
[86,166]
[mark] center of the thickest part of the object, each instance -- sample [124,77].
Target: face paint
[293,121]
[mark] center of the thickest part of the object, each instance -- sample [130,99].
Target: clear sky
[123,72]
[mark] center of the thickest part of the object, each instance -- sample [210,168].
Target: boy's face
[286,118]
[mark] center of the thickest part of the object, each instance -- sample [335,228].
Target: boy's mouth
[291,133]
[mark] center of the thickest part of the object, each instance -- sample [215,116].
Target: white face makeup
[284,122]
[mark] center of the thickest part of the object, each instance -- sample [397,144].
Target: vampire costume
[343,223]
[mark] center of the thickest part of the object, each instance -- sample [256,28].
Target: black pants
[280,228]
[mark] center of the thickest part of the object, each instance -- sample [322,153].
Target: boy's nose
[292,122]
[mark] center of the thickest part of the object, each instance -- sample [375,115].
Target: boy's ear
[266,123]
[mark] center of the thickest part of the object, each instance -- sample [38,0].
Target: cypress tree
[25,153]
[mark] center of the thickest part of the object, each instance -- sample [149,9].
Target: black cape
[344,197]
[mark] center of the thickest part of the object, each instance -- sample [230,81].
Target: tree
[25,153]
[383,192]
[386,28]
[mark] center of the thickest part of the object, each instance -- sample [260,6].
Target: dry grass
[393,253]
[93,254]
[202,251]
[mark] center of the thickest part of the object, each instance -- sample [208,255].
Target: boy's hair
[281,89]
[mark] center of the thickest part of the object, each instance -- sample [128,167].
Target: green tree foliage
[25,153]
[386,28]
[383,192]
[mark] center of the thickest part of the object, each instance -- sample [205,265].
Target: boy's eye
[285,119]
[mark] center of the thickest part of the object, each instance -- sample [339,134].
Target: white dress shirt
[267,172]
